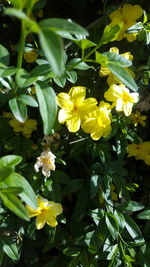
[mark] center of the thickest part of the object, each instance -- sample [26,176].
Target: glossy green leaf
[18,109]
[95,184]
[4,56]
[52,47]
[47,105]
[9,247]
[14,190]
[113,252]
[72,76]
[130,206]
[10,161]
[122,75]
[40,70]
[24,79]
[134,230]
[27,194]
[112,225]
[14,204]
[76,63]
[100,58]
[120,60]
[136,28]
[28,100]
[63,25]
[144,215]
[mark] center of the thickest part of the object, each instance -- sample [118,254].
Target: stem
[21,45]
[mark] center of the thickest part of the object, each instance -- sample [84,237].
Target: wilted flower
[137,118]
[26,127]
[74,107]
[30,56]
[121,97]
[46,212]
[126,16]
[98,122]
[46,161]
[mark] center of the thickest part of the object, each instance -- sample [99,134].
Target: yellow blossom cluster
[26,128]
[126,16]
[104,71]
[76,112]
[46,212]
[140,151]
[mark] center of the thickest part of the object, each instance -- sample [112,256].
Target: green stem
[21,45]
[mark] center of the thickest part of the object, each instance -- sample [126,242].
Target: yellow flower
[137,118]
[46,161]
[30,56]
[127,16]
[104,71]
[141,151]
[7,115]
[133,150]
[26,127]
[74,107]
[46,212]
[121,97]
[98,122]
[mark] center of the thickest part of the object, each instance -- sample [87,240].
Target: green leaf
[112,225]
[10,161]
[60,177]
[9,247]
[18,109]
[18,3]
[110,33]
[27,194]
[122,75]
[5,72]
[77,64]
[5,172]
[84,43]
[47,105]
[40,70]
[134,230]
[73,186]
[95,184]
[14,190]
[24,79]
[120,60]
[130,206]
[113,252]
[62,25]
[15,205]
[4,56]
[136,28]
[22,16]
[28,100]
[52,47]
[71,76]
[145,215]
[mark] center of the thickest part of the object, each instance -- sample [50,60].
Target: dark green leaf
[122,75]
[18,109]
[134,230]
[14,204]
[95,184]
[14,190]
[47,105]
[5,172]
[61,177]
[4,56]
[84,43]
[112,225]
[24,79]
[145,215]
[76,63]
[113,252]
[130,206]
[52,47]
[5,72]
[72,187]
[9,247]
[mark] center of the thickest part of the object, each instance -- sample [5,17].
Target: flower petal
[40,222]
[77,94]
[63,115]
[64,101]
[89,125]
[73,124]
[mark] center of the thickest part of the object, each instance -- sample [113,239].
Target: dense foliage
[74,133]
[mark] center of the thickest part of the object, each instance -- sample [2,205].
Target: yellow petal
[116,15]
[55,208]
[63,115]
[131,13]
[88,104]
[77,94]
[73,124]
[51,221]
[97,135]
[32,212]
[114,50]
[40,222]
[90,125]
[64,101]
